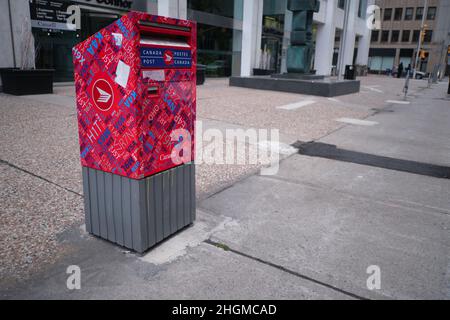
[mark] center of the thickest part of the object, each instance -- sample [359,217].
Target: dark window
[398,14]
[223,8]
[215,49]
[395,35]
[428,36]
[416,35]
[409,12]
[341,4]
[361,9]
[406,35]
[387,14]
[431,14]
[375,36]
[385,36]
[419,13]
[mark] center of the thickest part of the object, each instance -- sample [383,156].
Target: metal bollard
[406,87]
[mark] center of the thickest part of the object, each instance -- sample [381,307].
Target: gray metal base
[323,88]
[137,214]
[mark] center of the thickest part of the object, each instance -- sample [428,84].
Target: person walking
[400,70]
[393,71]
[408,69]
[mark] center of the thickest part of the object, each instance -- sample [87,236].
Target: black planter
[32,81]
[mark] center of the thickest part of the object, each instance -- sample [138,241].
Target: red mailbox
[135,86]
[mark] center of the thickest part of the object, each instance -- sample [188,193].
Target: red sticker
[103,94]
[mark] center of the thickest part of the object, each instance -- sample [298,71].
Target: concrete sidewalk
[308,232]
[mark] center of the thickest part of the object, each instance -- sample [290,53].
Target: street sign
[50,15]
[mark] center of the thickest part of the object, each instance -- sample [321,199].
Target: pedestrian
[408,69]
[394,71]
[400,70]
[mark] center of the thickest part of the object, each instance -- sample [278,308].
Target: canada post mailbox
[135,84]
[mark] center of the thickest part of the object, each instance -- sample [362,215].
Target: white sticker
[155,75]
[118,38]
[122,73]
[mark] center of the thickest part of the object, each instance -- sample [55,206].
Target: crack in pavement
[284,269]
[9,164]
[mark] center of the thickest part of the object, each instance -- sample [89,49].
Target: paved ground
[308,232]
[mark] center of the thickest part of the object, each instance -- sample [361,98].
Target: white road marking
[358,122]
[296,105]
[398,102]
[334,99]
[371,88]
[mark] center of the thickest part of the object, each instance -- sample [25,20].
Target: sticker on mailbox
[152,57]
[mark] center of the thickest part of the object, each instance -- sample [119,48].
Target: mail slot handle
[159,30]
[163,25]
[152,91]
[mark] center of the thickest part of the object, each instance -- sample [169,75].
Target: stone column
[251,31]
[325,41]
[349,40]
[364,41]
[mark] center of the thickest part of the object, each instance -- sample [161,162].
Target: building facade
[235,37]
[397,40]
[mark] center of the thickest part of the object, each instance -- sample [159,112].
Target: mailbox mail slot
[135,84]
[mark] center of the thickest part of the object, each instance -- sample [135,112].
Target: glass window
[215,49]
[431,14]
[416,35]
[409,13]
[387,14]
[395,35]
[419,13]
[406,61]
[341,4]
[271,42]
[375,35]
[362,8]
[398,14]
[428,36]
[375,63]
[53,47]
[387,63]
[406,35]
[223,8]
[385,36]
